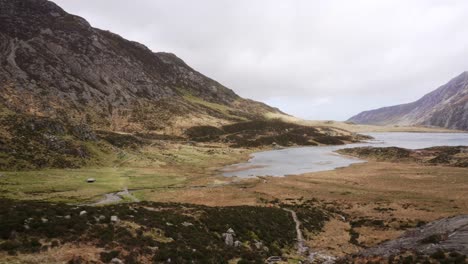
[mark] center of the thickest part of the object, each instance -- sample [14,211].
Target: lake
[298,160]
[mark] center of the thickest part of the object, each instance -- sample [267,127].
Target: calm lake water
[312,159]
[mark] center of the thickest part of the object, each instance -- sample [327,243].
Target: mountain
[447,106]
[55,65]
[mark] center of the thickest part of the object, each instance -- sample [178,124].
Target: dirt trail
[303,249]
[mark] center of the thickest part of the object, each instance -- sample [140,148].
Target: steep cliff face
[446,106]
[54,64]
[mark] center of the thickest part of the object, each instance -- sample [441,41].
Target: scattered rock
[82,213]
[258,244]
[317,257]
[67,217]
[116,261]
[237,243]
[229,237]
[187,224]
[114,219]
[273,259]
[44,220]
[90,180]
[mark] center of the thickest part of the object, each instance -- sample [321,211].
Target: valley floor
[372,202]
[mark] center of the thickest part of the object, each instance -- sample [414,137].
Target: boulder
[229,237]
[116,261]
[114,219]
[273,259]
[90,180]
[186,224]
[83,213]
[258,244]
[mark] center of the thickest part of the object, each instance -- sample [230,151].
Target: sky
[318,60]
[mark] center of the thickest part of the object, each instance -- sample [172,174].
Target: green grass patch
[69,185]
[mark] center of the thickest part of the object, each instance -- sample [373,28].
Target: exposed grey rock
[187,224]
[116,261]
[237,243]
[317,257]
[90,180]
[44,220]
[229,237]
[273,259]
[67,217]
[114,218]
[449,234]
[83,213]
[258,244]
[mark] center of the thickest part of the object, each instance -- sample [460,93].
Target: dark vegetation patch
[121,140]
[433,239]
[376,223]
[311,214]
[456,156]
[380,154]
[183,233]
[268,132]
[155,136]
[33,142]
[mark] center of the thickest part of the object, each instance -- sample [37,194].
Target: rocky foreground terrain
[442,241]
[447,106]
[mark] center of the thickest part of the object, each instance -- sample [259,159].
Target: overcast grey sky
[313,59]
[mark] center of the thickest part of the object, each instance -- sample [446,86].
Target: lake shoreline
[291,161]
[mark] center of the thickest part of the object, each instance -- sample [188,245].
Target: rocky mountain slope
[54,64]
[446,106]
[72,95]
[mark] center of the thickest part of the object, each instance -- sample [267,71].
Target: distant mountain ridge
[54,64]
[447,106]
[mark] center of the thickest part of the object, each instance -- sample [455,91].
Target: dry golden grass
[401,195]
[59,255]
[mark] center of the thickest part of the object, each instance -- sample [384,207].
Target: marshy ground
[342,211]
